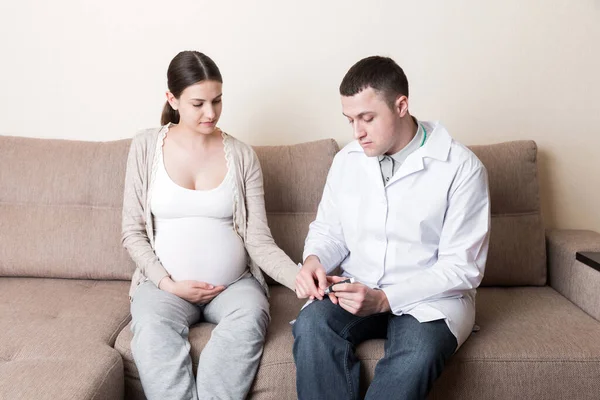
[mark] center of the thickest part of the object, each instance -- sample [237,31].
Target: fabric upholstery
[575,280]
[96,375]
[60,203]
[517,254]
[294,178]
[56,338]
[52,193]
[533,344]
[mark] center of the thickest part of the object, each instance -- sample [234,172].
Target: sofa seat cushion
[56,337]
[43,312]
[96,374]
[533,343]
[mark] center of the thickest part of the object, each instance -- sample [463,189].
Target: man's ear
[174,102]
[401,106]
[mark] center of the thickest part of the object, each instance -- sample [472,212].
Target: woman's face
[199,106]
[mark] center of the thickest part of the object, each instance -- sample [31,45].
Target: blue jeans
[326,335]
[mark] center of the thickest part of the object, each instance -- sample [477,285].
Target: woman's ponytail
[169,115]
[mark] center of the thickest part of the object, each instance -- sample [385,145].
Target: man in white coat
[406,213]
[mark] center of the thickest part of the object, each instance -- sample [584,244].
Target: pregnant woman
[194,222]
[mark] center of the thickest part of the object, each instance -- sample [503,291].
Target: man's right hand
[195,292]
[311,280]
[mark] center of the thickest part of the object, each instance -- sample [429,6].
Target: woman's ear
[174,102]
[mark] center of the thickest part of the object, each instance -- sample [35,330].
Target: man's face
[374,123]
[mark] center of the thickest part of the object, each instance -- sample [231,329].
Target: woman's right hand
[311,279]
[195,292]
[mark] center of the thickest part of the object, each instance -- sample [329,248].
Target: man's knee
[429,356]
[313,320]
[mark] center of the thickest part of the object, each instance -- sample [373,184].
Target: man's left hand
[359,299]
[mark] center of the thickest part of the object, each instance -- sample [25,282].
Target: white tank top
[194,235]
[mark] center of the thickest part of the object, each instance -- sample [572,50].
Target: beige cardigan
[249,215]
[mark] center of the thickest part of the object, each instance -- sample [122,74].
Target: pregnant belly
[205,251]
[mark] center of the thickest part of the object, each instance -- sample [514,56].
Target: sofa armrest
[576,281]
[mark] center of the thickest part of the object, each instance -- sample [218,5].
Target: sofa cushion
[533,343]
[56,338]
[96,374]
[517,254]
[51,317]
[61,203]
[294,178]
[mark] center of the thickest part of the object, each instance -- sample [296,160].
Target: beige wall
[490,71]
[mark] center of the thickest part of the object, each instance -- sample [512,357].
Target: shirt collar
[437,145]
[411,147]
[438,142]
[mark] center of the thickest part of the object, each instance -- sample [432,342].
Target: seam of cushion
[108,372]
[113,337]
[559,360]
[517,214]
[594,360]
[61,205]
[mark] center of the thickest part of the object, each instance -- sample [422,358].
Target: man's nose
[359,132]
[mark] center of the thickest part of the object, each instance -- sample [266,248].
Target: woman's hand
[311,280]
[195,292]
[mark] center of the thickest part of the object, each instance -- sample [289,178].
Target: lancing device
[330,287]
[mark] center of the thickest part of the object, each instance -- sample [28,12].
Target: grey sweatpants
[228,362]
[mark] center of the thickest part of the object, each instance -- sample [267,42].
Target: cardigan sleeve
[259,242]
[134,237]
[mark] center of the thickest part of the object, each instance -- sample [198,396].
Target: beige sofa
[64,277]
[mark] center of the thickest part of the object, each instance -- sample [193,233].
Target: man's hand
[357,298]
[311,280]
[193,291]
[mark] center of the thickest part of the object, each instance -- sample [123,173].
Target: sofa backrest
[60,206]
[60,209]
[61,200]
[294,178]
[517,254]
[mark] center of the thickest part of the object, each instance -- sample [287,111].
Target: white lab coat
[422,238]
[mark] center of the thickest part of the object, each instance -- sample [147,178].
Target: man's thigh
[406,335]
[324,314]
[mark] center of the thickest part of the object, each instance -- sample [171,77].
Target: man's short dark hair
[380,73]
